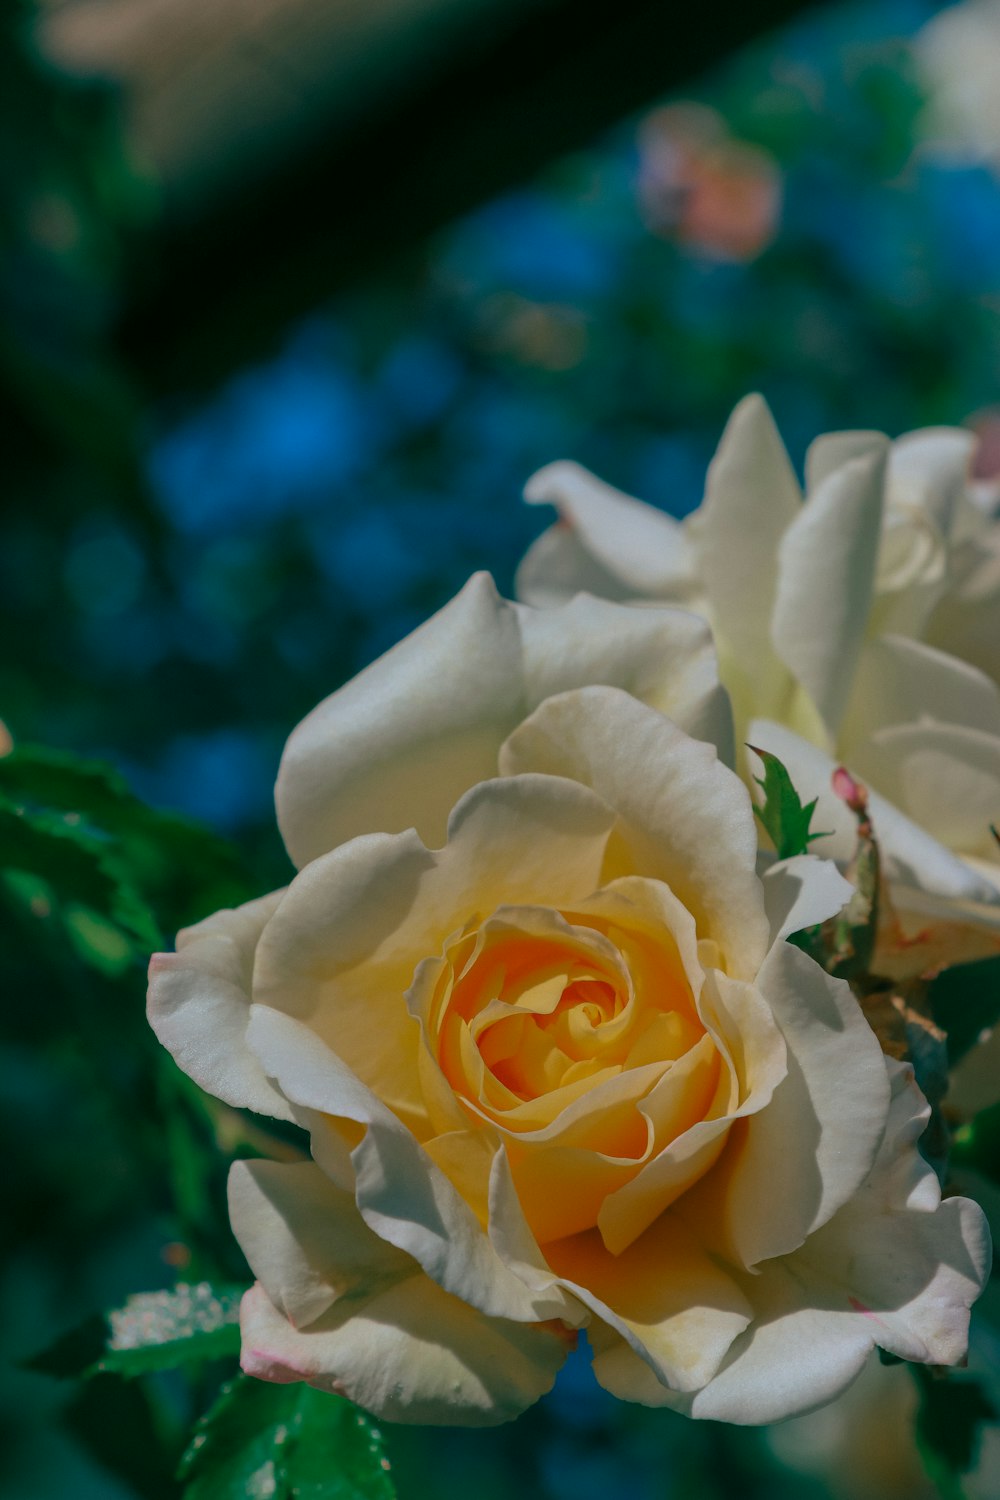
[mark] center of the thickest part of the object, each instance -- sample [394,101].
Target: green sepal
[782,813]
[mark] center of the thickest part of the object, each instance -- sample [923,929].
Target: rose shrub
[861,624]
[559,1066]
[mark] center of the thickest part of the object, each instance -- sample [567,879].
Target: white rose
[559,1066]
[836,617]
[957,53]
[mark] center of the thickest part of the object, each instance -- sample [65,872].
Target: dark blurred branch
[325,158]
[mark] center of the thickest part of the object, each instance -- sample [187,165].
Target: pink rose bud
[853,792]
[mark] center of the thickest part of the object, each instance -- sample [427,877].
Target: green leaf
[153,1331]
[65,857]
[237,1444]
[782,813]
[77,865]
[965,1000]
[977,1144]
[338,1453]
[951,1412]
[35,776]
[121,1425]
[284,1441]
[180,868]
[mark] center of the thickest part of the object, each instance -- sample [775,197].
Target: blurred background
[294,297]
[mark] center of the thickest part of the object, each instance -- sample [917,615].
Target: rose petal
[356,923]
[637,544]
[398,745]
[947,777]
[804,1156]
[674,1307]
[929,469]
[744,1033]
[664,657]
[826,572]
[802,892]
[832,450]
[402,1196]
[896,1267]
[410,1353]
[912,1265]
[791,1359]
[751,498]
[683,817]
[900,681]
[199,1005]
[305,1240]
[557,566]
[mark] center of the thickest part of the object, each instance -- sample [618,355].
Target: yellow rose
[562,1071]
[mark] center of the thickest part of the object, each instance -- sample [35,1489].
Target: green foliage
[284,1441]
[152,1331]
[94,842]
[977,1143]
[782,813]
[80,868]
[965,999]
[952,1411]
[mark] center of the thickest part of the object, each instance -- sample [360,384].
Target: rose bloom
[859,622]
[559,1066]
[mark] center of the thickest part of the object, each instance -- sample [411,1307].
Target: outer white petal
[792,1359]
[912,856]
[832,450]
[683,817]
[751,498]
[911,574]
[901,681]
[802,892]
[826,571]
[637,544]
[410,1353]
[928,471]
[398,745]
[664,657]
[305,1241]
[824,1122]
[198,1004]
[966,622]
[403,1197]
[911,1265]
[896,1267]
[947,777]
[558,565]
